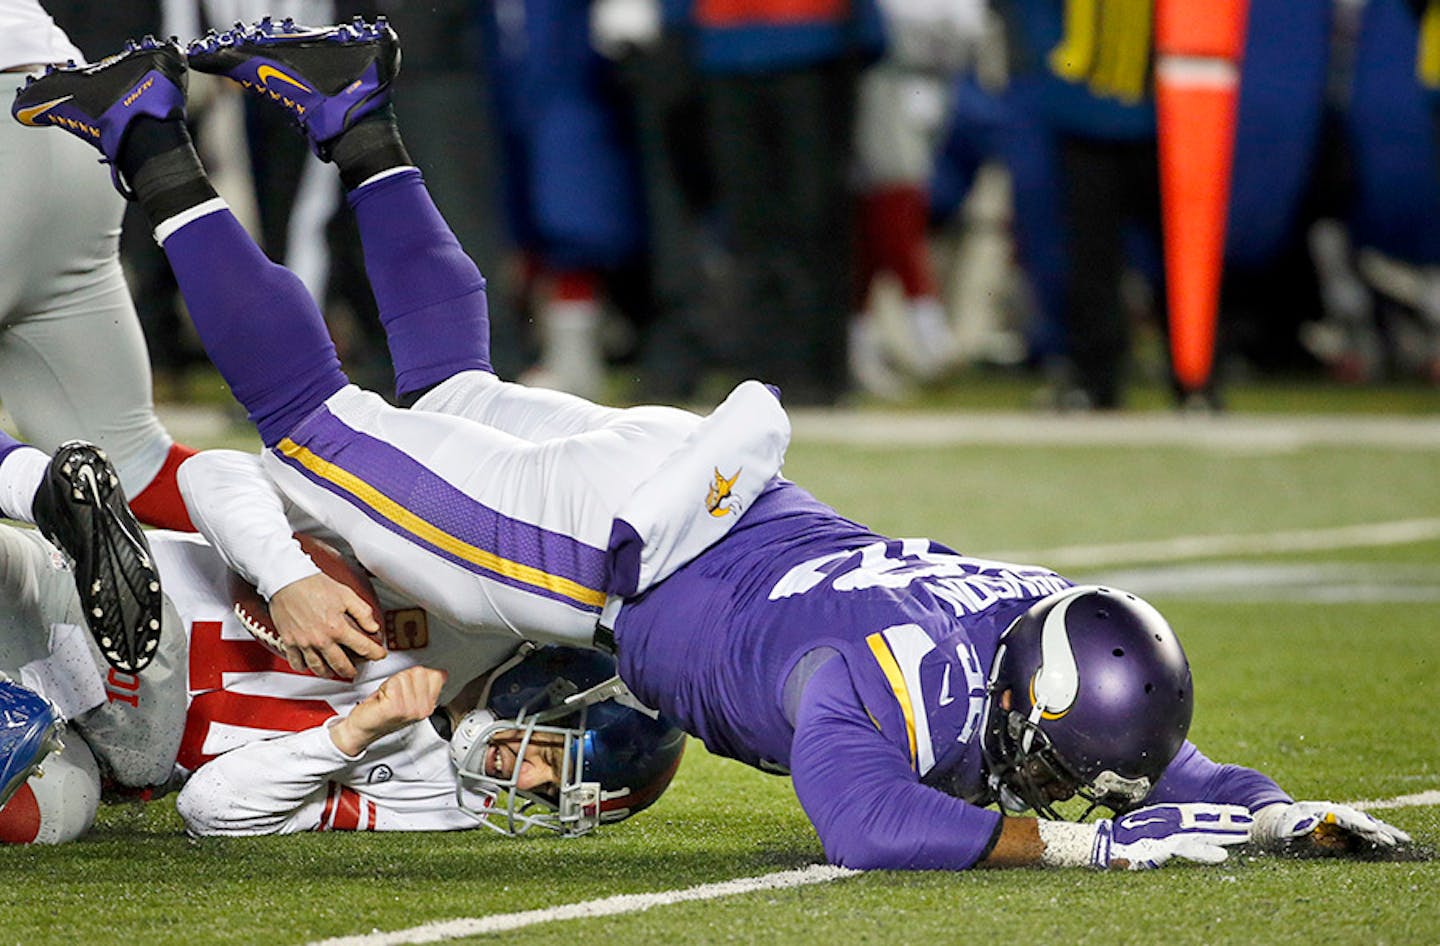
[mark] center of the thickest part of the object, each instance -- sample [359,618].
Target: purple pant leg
[257,322]
[430,294]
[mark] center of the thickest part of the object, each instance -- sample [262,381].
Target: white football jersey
[243,696]
[302,782]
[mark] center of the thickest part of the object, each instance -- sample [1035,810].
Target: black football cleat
[98,102]
[81,509]
[327,77]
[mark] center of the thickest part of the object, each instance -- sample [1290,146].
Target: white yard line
[586,909]
[1185,547]
[638,902]
[1243,432]
[1417,800]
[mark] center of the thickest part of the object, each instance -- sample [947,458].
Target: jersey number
[214,711]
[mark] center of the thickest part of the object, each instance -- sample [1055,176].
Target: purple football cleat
[327,77]
[30,728]
[96,103]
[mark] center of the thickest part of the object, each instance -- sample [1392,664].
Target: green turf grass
[1339,701]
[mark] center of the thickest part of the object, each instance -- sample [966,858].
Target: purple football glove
[1148,837]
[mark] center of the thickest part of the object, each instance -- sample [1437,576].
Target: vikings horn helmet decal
[1054,686]
[1099,701]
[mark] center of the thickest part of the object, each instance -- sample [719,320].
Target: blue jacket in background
[757,36]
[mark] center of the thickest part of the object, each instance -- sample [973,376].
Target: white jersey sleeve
[238,508]
[28,35]
[303,782]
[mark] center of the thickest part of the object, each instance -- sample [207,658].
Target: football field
[1297,557]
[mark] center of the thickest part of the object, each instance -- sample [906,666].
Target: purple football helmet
[1099,702]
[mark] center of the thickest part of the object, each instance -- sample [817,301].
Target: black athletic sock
[159,162]
[368,147]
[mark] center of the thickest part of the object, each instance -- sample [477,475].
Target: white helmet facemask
[572,809]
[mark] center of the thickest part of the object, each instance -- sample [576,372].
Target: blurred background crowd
[849,198]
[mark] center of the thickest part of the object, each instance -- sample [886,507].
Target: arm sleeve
[303,782]
[272,786]
[238,508]
[866,803]
[1191,777]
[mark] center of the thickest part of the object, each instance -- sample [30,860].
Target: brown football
[254,613]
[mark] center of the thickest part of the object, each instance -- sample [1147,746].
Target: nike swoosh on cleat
[27,116]
[264,74]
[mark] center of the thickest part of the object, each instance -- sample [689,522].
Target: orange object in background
[1198,49]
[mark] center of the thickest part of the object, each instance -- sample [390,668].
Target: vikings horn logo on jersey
[718,501]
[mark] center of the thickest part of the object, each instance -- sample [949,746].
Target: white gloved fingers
[1202,850]
[1364,826]
[1282,822]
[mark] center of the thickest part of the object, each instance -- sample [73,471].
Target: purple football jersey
[805,643]
[915,623]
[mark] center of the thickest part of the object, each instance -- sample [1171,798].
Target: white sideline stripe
[1251,433]
[1204,546]
[1416,800]
[638,902]
[586,909]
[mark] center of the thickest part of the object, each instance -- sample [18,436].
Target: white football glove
[1148,837]
[1329,826]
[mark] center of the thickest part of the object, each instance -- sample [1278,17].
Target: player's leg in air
[476,502]
[74,498]
[430,295]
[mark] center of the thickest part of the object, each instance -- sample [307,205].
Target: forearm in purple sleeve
[1191,777]
[866,803]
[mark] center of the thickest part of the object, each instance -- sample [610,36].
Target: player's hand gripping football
[1150,836]
[407,697]
[1325,828]
[324,624]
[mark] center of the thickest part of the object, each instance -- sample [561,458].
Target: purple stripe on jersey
[8,445]
[625,548]
[384,469]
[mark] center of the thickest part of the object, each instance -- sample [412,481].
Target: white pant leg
[135,729]
[483,527]
[73,361]
[538,414]
[34,592]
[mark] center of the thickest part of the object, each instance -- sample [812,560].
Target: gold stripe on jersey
[891,668]
[432,534]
